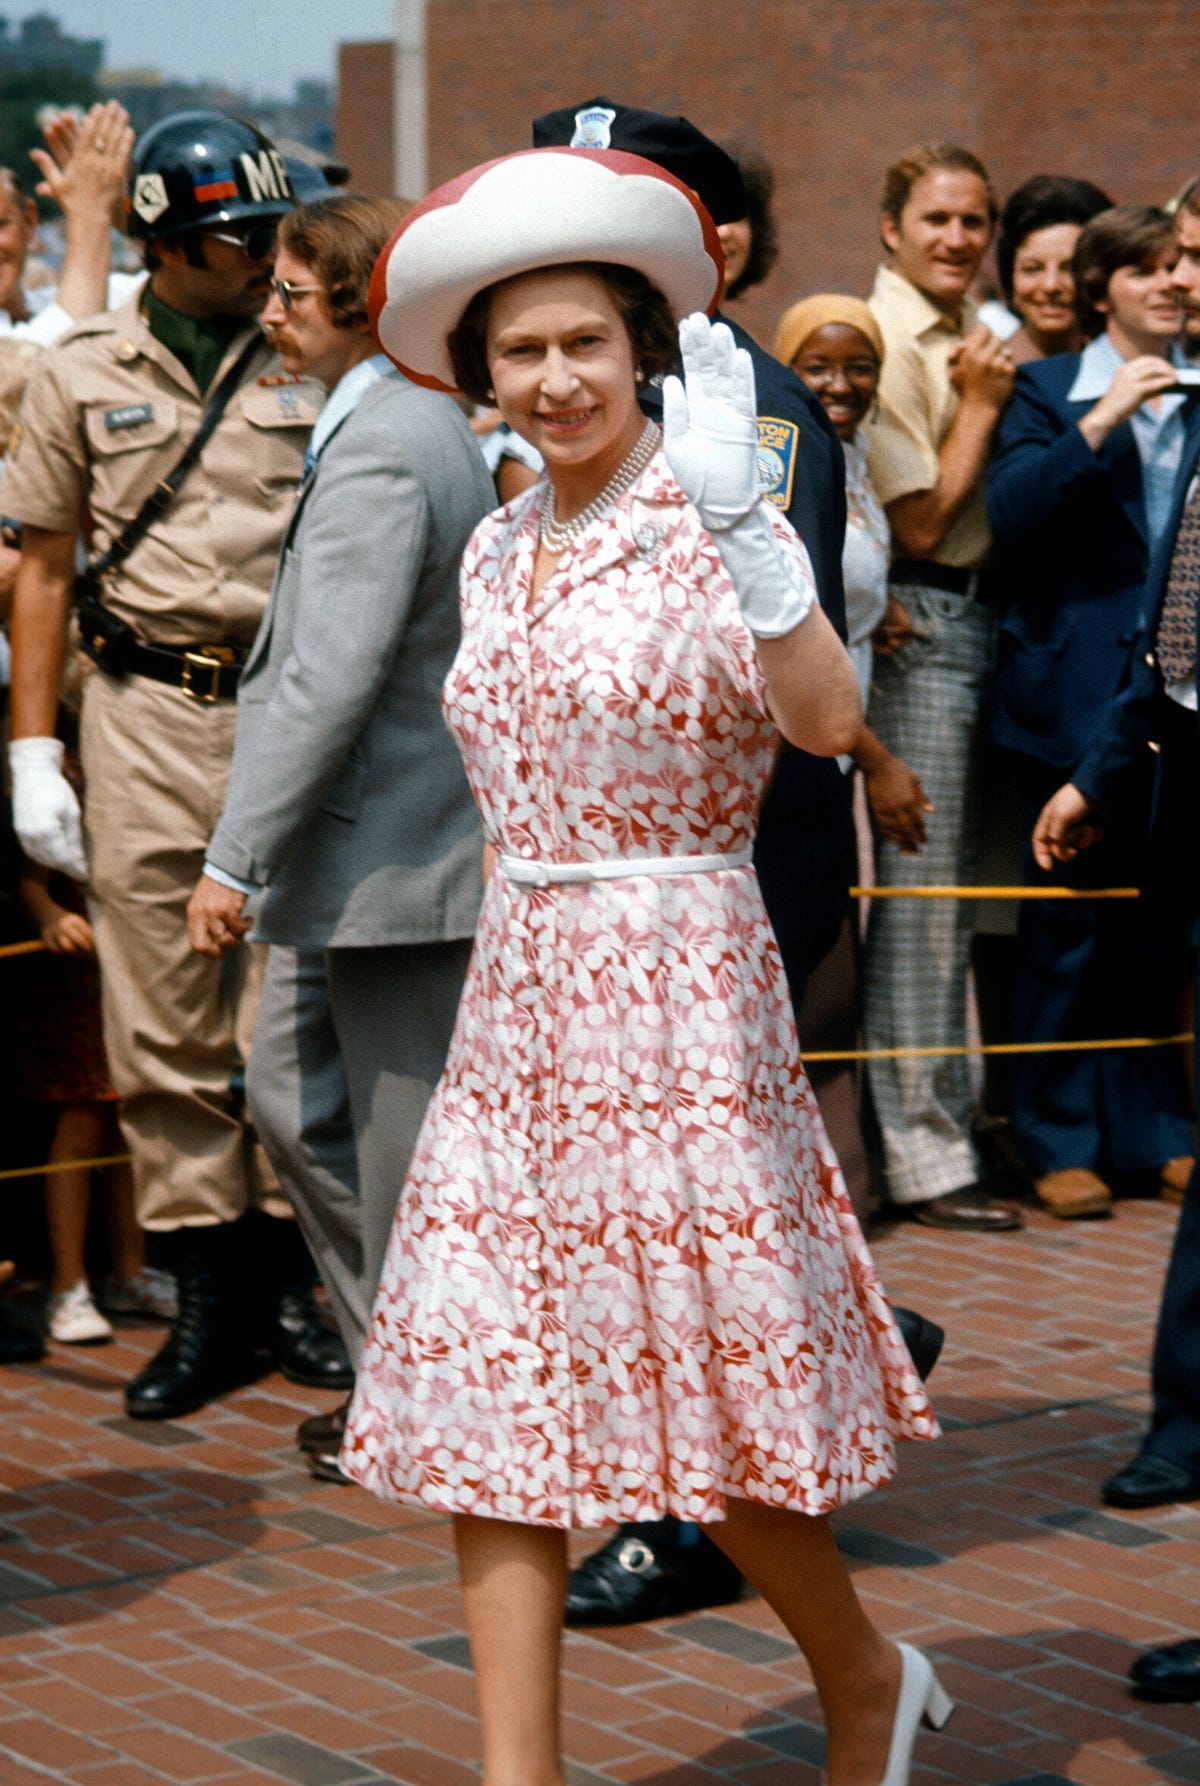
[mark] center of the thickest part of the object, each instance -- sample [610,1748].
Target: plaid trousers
[926,705]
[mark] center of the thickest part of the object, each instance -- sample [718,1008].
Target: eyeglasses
[287,292]
[257,242]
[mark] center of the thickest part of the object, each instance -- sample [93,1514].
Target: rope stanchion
[1105,1047]
[995,893]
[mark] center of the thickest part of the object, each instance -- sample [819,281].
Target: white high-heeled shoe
[923,1700]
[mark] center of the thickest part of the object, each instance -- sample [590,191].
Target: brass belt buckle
[211,661]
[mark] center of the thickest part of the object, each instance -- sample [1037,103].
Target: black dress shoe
[323,1432]
[973,1210]
[325,1467]
[306,1349]
[208,1350]
[633,1577]
[923,1338]
[1171,1673]
[1149,1480]
[19,1346]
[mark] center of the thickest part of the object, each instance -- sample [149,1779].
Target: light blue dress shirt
[1158,435]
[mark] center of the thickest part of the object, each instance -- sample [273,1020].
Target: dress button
[1150,658]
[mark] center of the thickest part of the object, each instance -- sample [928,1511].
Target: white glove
[710,438]
[46,816]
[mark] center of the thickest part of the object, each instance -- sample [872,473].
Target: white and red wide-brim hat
[538,208]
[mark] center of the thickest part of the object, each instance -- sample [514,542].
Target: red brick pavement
[181,1603]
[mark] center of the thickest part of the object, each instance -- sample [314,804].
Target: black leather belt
[921,573]
[205,673]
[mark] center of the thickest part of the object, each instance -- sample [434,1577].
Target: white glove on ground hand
[46,816]
[710,438]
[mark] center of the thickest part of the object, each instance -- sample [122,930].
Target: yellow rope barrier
[110,1159]
[995,893]
[998,1048]
[30,948]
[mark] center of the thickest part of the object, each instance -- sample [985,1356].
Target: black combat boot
[292,1326]
[209,1349]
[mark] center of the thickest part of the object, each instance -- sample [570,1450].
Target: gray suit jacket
[347,797]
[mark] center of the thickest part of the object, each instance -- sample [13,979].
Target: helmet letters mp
[198,169]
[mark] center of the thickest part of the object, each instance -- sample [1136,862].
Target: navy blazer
[1070,525]
[1132,720]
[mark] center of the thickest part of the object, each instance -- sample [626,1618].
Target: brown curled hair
[1123,236]
[341,238]
[642,308]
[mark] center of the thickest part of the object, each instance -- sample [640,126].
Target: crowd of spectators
[982,493]
[986,609]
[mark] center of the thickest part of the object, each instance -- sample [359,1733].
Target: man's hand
[1069,822]
[68,933]
[83,169]
[1136,382]
[982,370]
[46,816]
[892,631]
[214,918]
[899,804]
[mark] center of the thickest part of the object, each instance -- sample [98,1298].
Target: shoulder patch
[776,459]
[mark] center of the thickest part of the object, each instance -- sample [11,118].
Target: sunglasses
[287,291]
[257,242]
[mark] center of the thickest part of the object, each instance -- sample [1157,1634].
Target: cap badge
[593,128]
[150,197]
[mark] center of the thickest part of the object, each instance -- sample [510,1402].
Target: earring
[490,394]
[639,376]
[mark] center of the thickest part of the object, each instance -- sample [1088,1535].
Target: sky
[262,46]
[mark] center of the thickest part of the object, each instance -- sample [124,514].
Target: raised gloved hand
[710,438]
[46,816]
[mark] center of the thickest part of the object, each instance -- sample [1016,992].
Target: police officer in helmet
[167,621]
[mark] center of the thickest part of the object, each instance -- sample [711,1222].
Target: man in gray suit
[347,801]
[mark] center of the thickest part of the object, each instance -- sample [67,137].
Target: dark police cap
[672,143]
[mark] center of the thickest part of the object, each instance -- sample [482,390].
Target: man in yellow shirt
[945,382]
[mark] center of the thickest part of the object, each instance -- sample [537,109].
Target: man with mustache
[107,418]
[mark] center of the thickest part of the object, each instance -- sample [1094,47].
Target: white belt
[526,873]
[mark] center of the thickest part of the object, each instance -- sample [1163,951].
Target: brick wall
[363,119]
[832,91]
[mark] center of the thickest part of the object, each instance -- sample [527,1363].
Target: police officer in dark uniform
[805,851]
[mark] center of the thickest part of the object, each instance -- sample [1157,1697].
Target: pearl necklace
[558,535]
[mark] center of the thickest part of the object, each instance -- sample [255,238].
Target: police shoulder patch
[776,459]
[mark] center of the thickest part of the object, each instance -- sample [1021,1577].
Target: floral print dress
[625,1279]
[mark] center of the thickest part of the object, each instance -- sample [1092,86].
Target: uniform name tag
[131,416]
[776,459]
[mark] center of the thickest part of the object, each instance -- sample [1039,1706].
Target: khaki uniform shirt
[917,404]
[107,413]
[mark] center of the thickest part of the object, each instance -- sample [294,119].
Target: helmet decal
[150,196]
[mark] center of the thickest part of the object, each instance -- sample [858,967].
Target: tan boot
[1073,1192]
[1173,1176]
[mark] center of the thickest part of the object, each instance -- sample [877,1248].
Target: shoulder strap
[164,492]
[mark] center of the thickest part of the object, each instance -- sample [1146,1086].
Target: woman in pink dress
[625,1280]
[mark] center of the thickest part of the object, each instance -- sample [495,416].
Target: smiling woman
[1039,229]
[625,1280]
